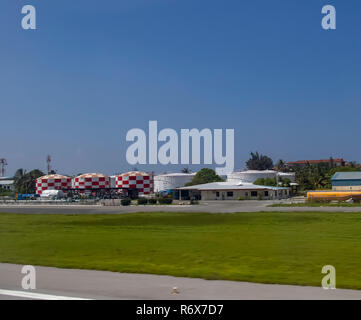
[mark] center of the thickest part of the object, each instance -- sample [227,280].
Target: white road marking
[37,296]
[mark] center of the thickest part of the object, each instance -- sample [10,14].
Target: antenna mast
[3,164]
[48,161]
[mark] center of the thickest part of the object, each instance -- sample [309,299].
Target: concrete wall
[346,188]
[245,194]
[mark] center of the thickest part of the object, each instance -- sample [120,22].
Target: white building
[233,191]
[7,183]
[171,181]
[250,176]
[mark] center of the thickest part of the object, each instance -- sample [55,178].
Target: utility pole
[48,161]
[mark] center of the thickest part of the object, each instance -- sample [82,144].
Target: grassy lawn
[268,247]
[316,204]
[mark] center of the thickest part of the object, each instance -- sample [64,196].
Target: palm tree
[281,166]
[25,181]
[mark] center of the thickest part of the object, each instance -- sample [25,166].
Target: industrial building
[345,186]
[250,176]
[170,181]
[346,181]
[232,191]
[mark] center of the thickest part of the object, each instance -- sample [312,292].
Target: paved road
[54,283]
[204,206]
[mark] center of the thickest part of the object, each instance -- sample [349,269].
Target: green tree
[259,182]
[281,165]
[205,175]
[285,182]
[259,162]
[271,182]
[25,181]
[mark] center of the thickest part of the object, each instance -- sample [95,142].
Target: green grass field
[268,247]
[317,204]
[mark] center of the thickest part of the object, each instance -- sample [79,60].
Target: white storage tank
[171,181]
[250,176]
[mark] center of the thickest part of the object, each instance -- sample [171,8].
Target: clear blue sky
[95,69]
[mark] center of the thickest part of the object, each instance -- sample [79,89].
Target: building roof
[92,175]
[350,175]
[134,173]
[229,186]
[6,182]
[337,160]
[53,176]
[6,178]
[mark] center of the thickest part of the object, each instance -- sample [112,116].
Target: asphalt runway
[203,206]
[60,284]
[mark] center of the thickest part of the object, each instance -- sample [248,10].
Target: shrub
[125,202]
[194,201]
[240,198]
[142,201]
[165,200]
[152,201]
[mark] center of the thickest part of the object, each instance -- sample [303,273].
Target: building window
[217,194]
[254,193]
[230,194]
[266,193]
[246,194]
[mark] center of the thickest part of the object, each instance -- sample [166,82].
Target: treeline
[25,181]
[312,177]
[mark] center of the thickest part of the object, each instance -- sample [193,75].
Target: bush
[165,200]
[240,198]
[125,202]
[142,201]
[152,201]
[194,201]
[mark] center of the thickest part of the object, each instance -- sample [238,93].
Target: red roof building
[301,163]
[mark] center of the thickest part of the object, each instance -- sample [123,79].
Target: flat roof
[6,182]
[348,175]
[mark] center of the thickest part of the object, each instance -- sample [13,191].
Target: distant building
[232,191]
[346,181]
[7,183]
[302,163]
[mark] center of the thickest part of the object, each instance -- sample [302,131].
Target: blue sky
[95,69]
